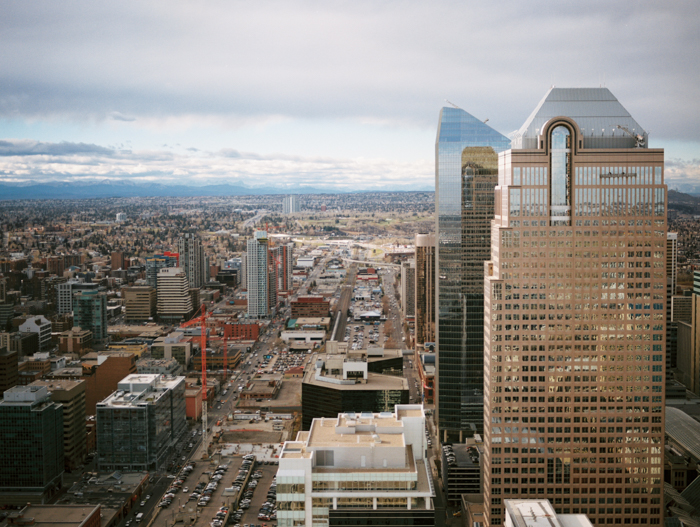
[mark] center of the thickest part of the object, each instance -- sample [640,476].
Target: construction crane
[201,319]
[638,138]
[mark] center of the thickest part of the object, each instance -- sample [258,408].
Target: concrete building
[355,467]
[575,315]
[688,340]
[466,168]
[137,424]
[117,261]
[341,383]
[290,205]
[41,327]
[461,469]
[70,394]
[76,340]
[90,312]
[63,515]
[425,290]
[258,272]
[159,367]
[31,434]
[173,346]
[101,371]
[192,260]
[174,299]
[310,306]
[140,303]
[67,290]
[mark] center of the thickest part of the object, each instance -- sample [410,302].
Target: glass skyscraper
[466,168]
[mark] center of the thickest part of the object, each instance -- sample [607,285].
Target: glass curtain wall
[466,172]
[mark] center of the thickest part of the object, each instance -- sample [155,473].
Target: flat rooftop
[58,515]
[375,381]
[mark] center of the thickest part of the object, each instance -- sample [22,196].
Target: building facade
[408,288]
[358,469]
[258,274]
[192,260]
[156,263]
[138,423]
[290,205]
[174,302]
[90,312]
[66,292]
[31,432]
[574,316]
[425,290]
[41,327]
[466,168]
[140,303]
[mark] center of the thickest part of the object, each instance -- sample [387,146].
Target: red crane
[201,319]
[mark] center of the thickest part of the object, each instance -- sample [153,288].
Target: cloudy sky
[342,94]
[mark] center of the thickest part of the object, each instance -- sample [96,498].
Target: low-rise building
[76,340]
[193,402]
[358,466]
[173,346]
[538,513]
[42,327]
[48,516]
[159,366]
[138,424]
[336,383]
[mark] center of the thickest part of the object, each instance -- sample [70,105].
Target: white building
[290,205]
[540,513]
[356,466]
[67,290]
[42,327]
[121,216]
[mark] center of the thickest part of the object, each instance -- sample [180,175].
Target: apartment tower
[192,259]
[174,302]
[574,315]
[466,168]
[258,267]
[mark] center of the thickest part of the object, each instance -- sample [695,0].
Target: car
[143,503]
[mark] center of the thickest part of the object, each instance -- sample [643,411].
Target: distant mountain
[685,203]
[122,189]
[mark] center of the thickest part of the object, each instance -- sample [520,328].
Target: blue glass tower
[466,172]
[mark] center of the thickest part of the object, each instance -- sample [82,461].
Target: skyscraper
[258,274]
[574,315]
[466,166]
[157,262]
[192,259]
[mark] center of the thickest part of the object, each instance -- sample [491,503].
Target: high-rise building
[158,262]
[140,303]
[574,315]
[687,321]
[466,167]
[671,283]
[192,259]
[70,394]
[31,434]
[425,289]
[67,290]
[90,312]
[290,205]
[173,296]
[258,274]
[139,424]
[283,258]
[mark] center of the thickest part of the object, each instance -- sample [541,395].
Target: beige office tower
[574,309]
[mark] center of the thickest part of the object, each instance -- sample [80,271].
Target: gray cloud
[393,61]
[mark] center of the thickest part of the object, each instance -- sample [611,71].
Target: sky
[343,95]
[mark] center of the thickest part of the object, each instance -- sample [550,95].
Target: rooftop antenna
[452,104]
